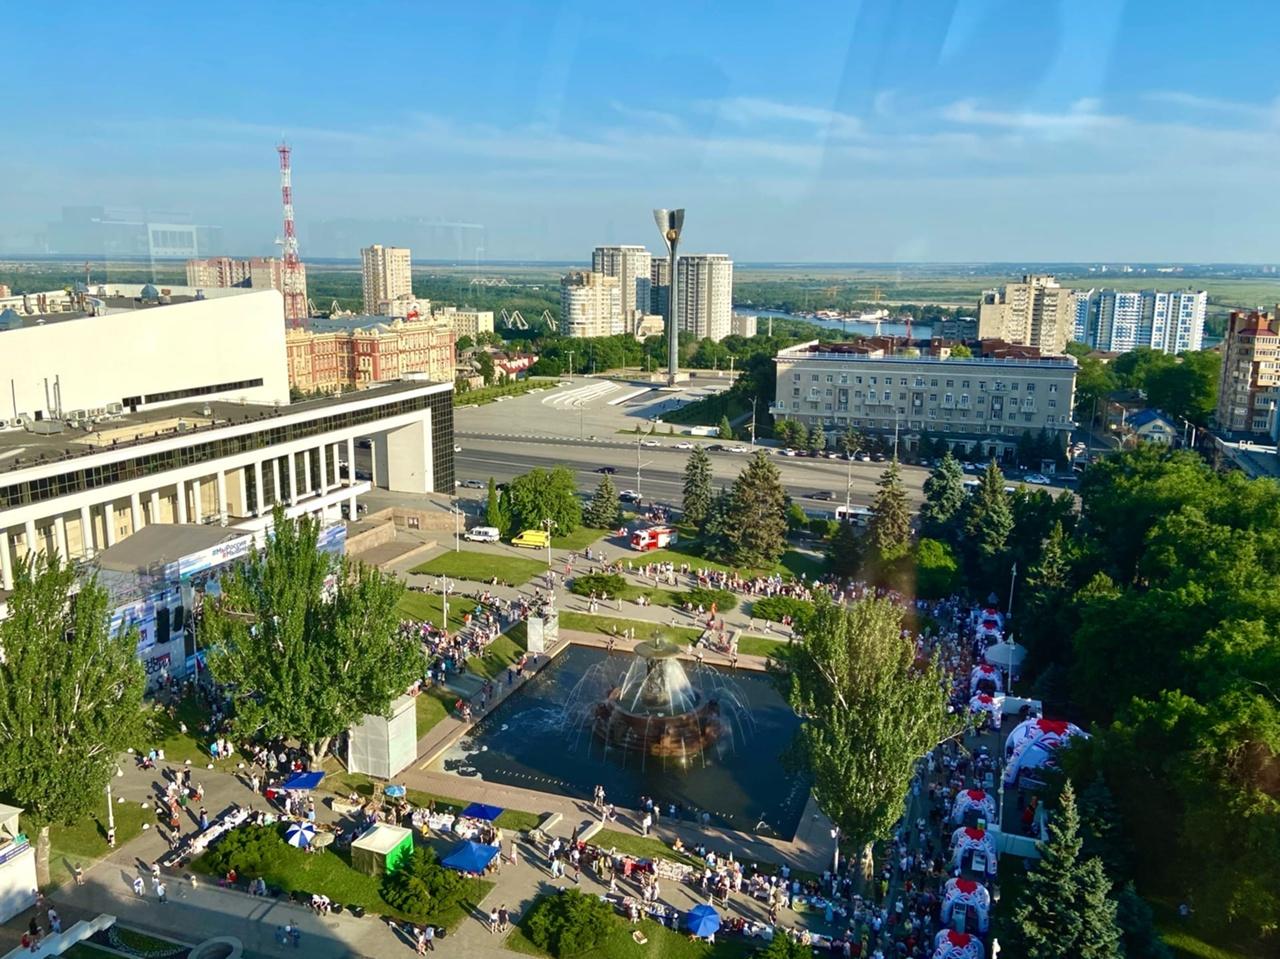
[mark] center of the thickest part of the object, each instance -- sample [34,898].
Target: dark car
[715,448]
[606,469]
[823,494]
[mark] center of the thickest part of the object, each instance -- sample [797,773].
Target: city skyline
[870,133]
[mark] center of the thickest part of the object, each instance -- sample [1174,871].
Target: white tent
[967,895]
[949,944]
[975,800]
[1034,730]
[1006,654]
[990,706]
[984,674]
[973,849]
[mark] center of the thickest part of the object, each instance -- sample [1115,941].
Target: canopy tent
[984,675]
[1038,754]
[973,849]
[990,706]
[1033,730]
[702,921]
[394,791]
[300,834]
[949,944]
[303,782]
[470,857]
[962,894]
[973,800]
[1006,654]
[478,810]
[381,849]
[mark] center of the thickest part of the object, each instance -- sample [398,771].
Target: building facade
[351,354]
[743,324]
[385,276]
[258,273]
[882,384]
[705,295]
[465,322]
[1036,312]
[659,286]
[1162,320]
[1249,389]
[633,266]
[590,304]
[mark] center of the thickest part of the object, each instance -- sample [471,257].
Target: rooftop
[163,544]
[60,306]
[893,349]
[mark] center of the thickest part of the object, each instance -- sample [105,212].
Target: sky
[800,131]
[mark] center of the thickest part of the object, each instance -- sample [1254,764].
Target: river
[918,330]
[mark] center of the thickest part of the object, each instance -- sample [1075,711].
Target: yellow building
[1036,312]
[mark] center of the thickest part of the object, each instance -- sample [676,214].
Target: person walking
[162,894]
[55,921]
[429,937]
[139,887]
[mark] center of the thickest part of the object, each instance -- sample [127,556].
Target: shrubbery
[421,887]
[568,923]
[606,585]
[937,570]
[704,597]
[250,850]
[774,608]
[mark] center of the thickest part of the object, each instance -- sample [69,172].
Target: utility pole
[111,813]
[848,481]
[444,603]
[895,434]
[637,464]
[754,399]
[1013,578]
[457,520]
[547,523]
[570,352]
[578,404]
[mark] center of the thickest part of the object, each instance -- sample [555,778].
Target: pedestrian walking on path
[162,895]
[139,887]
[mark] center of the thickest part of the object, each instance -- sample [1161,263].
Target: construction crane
[513,320]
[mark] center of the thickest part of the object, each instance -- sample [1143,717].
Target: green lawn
[663,943]
[579,539]
[140,942]
[166,733]
[343,783]
[807,564]
[83,950]
[643,847]
[482,567]
[426,607]
[329,872]
[587,623]
[1195,938]
[761,646]
[85,842]
[497,656]
[432,706]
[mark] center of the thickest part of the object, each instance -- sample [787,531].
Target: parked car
[864,457]
[606,469]
[629,496]
[1038,479]
[715,448]
[472,484]
[482,534]
[823,494]
[788,452]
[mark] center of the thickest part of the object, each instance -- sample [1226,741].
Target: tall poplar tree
[70,698]
[697,486]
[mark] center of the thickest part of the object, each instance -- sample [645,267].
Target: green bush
[568,923]
[774,608]
[822,528]
[797,518]
[937,571]
[250,850]
[608,585]
[700,595]
[421,887]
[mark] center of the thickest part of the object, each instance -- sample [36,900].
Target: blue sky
[953,130]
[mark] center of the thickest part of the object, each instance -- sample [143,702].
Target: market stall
[990,709]
[974,850]
[470,857]
[381,848]
[973,805]
[949,944]
[966,904]
[1033,745]
[985,678]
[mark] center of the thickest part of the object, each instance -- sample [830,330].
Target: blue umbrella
[702,921]
[395,792]
[300,834]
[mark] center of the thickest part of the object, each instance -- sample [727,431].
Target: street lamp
[754,399]
[570,352]
[547,523]
[457,521]
[444,602]
[670,223]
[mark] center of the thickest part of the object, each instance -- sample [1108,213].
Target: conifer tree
[943,499]
[605,511]
[988,525]
[726,429]
[697,486]
[757,529]
[889,535]
[494,514]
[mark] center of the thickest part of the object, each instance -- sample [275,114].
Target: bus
[857,515]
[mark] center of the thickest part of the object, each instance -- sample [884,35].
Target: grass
[482,567]
[663,943]
[761,646]
[513,819]
[497,656]
[330,873]
[587,623]
[580,538]
[139,941]
[180,746]
[642,847]
[489,394]
[432,706]
[426,607]
[86,841]
[83,950]
[1195,938]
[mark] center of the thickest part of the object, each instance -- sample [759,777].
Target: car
[684,445]
[788,452]
[715,448]
[973,467]
[532,539]
[739,449]
[472,484]
[607,469]
[1037,479]
[629,496]
[650,443]
[864,457]
[823,494]
[878,457]
[457,449]
[972,485]
[482,534]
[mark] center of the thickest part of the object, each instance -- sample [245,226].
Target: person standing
[55,921]
[139,887]
[429,937]
[162,894]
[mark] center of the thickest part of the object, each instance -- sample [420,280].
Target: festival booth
[974,850]
[985,678]
[1006,654]
[950,944]
[966,905]
[17,866]
[992,707]
[475,819]
[470,857]
[381,849]
[1034,745]
[1038,730]
[972,806]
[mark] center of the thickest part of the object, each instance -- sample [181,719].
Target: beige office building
[590,304]
[1036,312]
[466,322]
[632,265]
[881,384]
[385,275]
[704,292]
[1249,390]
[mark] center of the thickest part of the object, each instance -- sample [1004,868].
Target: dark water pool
[525,742]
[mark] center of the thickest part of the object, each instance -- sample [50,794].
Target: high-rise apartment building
[659,285]
[1082,303]
[704,306]
[385,277]
[590,304]
[1250,386]
[258,272]
[632,266]
[1166,321]
[1036,312]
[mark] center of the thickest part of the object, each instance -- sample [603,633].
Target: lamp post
[547,523]
[570,352]
[754,400]
[670,224]
[457,522]
[444,603]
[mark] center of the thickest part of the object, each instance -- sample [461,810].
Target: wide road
[662,469]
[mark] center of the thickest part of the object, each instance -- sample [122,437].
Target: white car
[629,496]
[1038,479]
[650,443]
[787,452]
[739,449]
[684,445]
[482,534]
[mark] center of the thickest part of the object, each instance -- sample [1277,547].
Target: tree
[961,352]
[605,512]
[784,432]
[937,572]
[799,436]
[844,555]
[943,499]
[987,527]
[851,441]
[868,711]
[726,429]
[715,528]
[817,438]
[889,534]
[421,887]
[757,530]
[697,486]
[782,946]
[797,518]
[1187,390]
[70,697]
[1094,382]
[1142,940]
[540,495]
[484,364]
[495,513]
[305,665]
[1062,909]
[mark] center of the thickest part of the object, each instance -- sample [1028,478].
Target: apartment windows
[1053,404]
[1053,387]
[1031,387]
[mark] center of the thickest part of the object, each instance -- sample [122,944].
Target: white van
[482,534]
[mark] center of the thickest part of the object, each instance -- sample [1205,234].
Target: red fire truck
[653,537]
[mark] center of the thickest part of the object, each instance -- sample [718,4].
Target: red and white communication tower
[295,287]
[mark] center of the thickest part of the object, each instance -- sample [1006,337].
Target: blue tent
[470,857]
[702,921]
[478,810]
[303,782]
